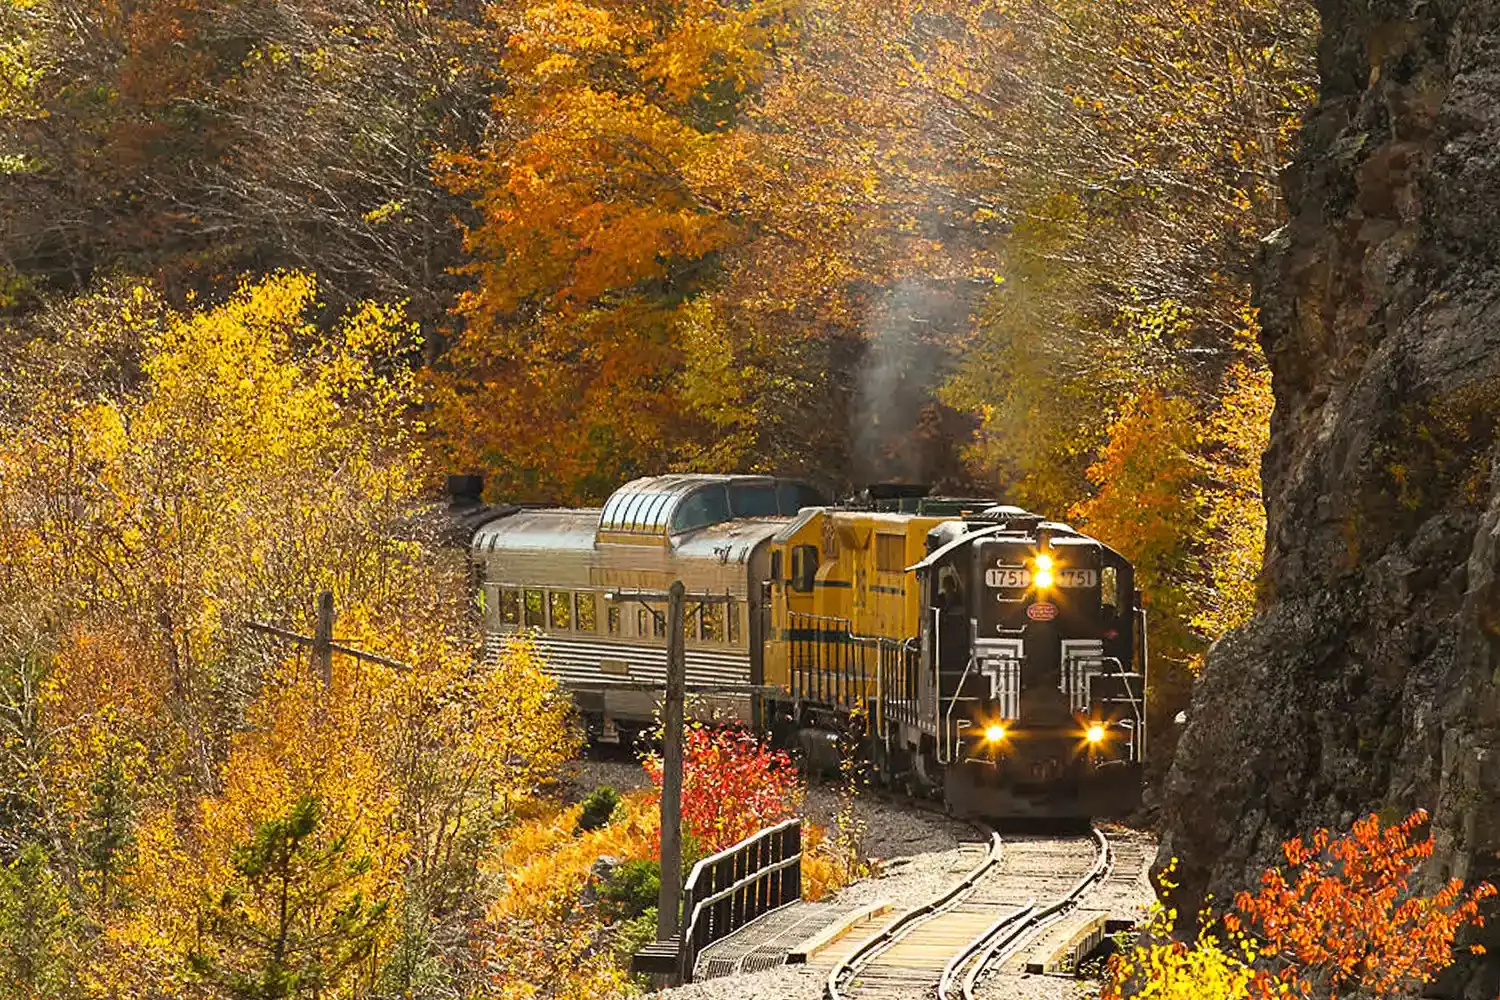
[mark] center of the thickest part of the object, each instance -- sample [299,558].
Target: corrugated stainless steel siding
[576,661]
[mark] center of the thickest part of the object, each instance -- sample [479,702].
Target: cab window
[732,612]
[510,607]
[1109,588]
[613,618]
[804,568]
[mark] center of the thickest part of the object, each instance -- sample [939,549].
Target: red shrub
[732,785]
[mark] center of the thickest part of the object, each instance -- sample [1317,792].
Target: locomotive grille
[1000,661]
[1081,659]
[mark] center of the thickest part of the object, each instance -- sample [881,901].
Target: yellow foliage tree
[412,774]
[164,477]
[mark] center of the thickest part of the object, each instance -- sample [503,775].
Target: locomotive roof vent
[1016,517]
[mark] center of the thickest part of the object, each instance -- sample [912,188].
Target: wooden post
[322,649]
[671,770]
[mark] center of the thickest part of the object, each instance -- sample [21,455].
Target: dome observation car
[662,506]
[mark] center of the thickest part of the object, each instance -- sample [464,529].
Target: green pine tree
[38,930]
[291,923]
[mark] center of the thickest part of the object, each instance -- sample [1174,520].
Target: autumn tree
[185,141]
[38,930]
[289,924]
[589,351]
[733,785]
[1352,917]
[174,474]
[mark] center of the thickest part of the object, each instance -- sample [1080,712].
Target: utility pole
[671,770]
[322,649]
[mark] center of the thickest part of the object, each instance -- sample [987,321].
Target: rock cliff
[1370,681]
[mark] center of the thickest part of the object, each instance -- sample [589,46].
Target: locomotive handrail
[948,716]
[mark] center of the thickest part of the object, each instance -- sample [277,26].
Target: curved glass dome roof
[673,504]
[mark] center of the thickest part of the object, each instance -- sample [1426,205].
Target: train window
[642,623]
[776,565]
[713,623]
[536,608]
[732,612]
[753,501]
[890,553]
[1109,588]
[583,612]
[659,624]
[792,497]
[804,568]
[612,616]
[510,607]
[705,507]
[562,616]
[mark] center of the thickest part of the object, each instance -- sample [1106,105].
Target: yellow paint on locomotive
[860,584]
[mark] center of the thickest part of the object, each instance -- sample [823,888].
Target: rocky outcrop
[1371,679]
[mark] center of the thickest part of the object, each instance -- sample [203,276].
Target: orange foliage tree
[574,368]
[1351,918]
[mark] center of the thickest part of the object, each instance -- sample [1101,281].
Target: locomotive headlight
[1042,578]
[1043,562]
[1095,733]
[994,734]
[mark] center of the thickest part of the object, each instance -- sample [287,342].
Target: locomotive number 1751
[1011,577]
[1077,578]
[1019,578]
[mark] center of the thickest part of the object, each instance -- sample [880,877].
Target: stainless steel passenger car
[571,577]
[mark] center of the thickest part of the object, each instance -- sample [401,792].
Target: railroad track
[941,947]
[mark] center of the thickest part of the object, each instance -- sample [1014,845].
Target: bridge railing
[726,891]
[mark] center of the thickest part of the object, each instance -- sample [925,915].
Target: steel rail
[910,920]
[1007,935]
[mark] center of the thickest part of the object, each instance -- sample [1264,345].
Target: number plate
[1077,578]
[1011,577]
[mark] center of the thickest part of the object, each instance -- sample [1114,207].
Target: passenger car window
[713,623]
[535,608]
[510,607]
[583,612]
[561,612]
[705,507]
[753,501]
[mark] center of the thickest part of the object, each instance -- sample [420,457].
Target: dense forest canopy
[269,268]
